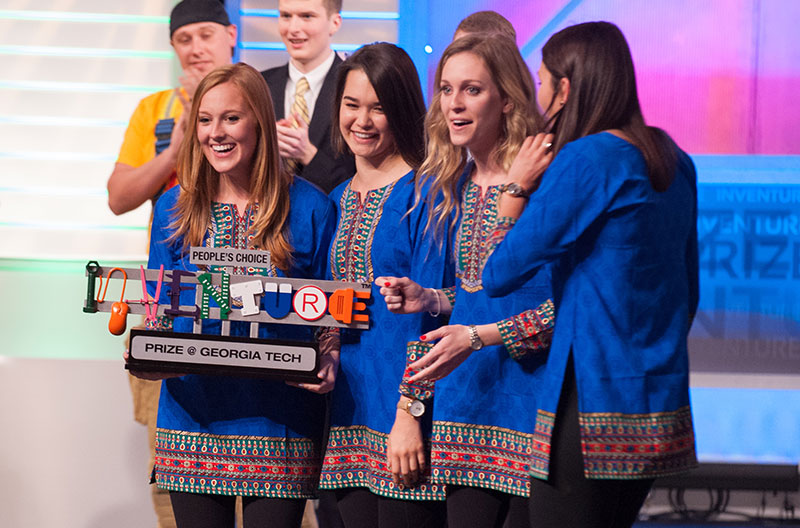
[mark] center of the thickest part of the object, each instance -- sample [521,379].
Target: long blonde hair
[269,180]
[444,162]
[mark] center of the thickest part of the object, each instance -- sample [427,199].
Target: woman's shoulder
[306,193]
[599,146]
[407,184]
[601,153]
[166,202]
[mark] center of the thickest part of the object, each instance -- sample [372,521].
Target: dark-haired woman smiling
[616,211]
[377,454]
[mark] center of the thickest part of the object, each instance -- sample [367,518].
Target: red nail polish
[422,337]
[387,284]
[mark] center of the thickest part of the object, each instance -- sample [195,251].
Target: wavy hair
[444,162]
[269,180]
[596,60]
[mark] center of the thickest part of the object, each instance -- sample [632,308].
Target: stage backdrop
[719,75]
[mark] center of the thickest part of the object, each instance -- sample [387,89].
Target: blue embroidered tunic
[376,238]
[483,417]
[237,436]
[626,285]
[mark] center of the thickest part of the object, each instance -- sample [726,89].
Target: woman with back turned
[616,213]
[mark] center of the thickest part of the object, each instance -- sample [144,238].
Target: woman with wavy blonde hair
[219,437]
[482,419]
[446,156]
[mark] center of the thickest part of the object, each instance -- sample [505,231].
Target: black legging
[484,508]
[360,508]
[196,510]
[567,497]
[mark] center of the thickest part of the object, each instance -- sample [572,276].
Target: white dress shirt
[315,78]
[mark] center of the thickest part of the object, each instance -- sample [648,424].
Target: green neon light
[68,16]
[69,266]
[71,227]
[61,51]
[51,121]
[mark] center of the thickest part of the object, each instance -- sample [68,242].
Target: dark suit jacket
[327,169]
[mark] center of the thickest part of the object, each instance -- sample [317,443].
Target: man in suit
[303,91]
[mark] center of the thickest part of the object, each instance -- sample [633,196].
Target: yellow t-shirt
[139,144]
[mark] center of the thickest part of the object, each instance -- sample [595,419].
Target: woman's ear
[563,91]
[508,106]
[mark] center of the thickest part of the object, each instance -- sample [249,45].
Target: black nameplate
[216,355]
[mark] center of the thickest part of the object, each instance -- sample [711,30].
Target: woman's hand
[403,296]
[328,368]
[532,160]
[452,349]
[405,450]
[148,375]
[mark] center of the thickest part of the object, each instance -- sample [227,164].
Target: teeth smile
[221,148]
[362,135]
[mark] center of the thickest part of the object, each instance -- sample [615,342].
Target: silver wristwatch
[475,342]
[515,189]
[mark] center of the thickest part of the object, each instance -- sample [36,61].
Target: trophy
[260,299]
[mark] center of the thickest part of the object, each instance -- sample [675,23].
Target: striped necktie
[300,108]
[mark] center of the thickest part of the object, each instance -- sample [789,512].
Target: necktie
[299,107]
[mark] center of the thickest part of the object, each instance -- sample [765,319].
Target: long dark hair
[596,60]
[394,78]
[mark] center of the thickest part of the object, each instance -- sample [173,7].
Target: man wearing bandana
[203,39]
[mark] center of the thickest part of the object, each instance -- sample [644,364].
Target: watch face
[475,342]
[515,189]
[416,408]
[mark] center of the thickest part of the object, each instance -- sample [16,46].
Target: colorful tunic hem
[236,465]
[624,446]
[356,457]
[481,456]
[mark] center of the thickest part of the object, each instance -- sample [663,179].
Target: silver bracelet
[438,303]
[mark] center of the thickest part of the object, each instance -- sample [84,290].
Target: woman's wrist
[434,302]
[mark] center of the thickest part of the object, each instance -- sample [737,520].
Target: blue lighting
[747,425]
[747,169]
[362,15]
[548,29]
